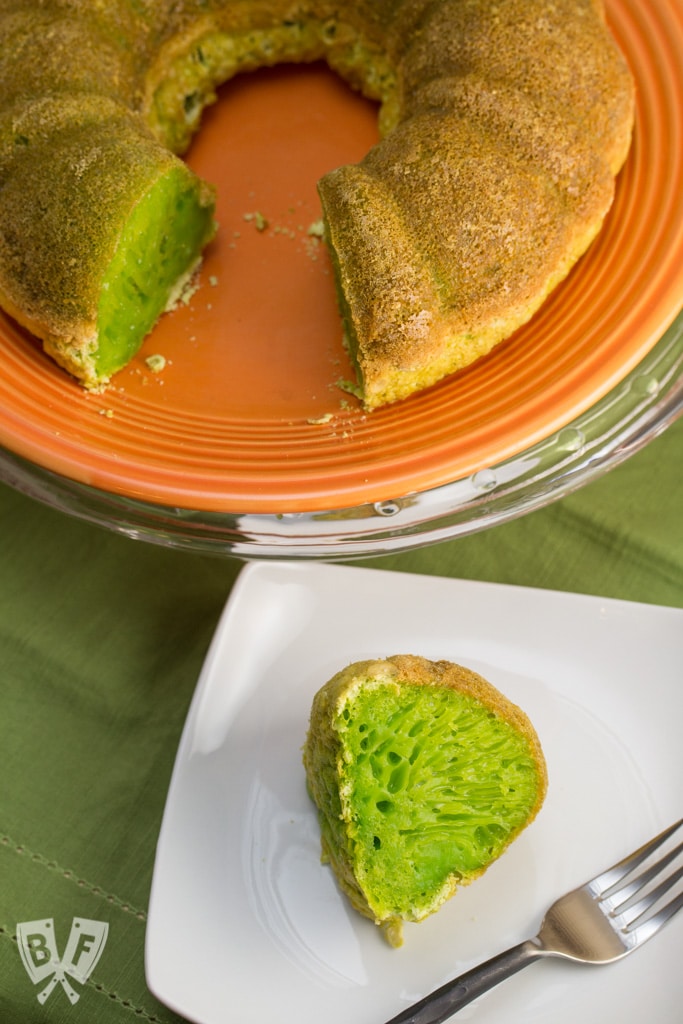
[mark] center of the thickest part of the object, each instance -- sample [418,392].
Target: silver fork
[597,923]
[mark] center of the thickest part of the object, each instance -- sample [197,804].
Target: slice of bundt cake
[422,773]
[105,226]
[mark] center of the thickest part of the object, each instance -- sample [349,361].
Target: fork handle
[451,997]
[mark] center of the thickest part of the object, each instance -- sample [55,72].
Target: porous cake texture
[423,773]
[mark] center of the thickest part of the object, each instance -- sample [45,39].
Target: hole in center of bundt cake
[435,783]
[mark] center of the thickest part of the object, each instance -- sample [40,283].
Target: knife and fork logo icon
[38,950]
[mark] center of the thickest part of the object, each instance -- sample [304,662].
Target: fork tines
[628,898]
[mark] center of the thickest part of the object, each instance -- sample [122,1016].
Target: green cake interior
[419,785]
[434,784]
[158,249]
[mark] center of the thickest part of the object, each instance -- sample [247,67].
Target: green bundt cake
[503,125]
[422,773]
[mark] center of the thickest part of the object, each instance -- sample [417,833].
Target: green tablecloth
[101,642]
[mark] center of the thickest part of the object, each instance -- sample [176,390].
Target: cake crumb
[188,292]
[318,420]
[260,222]
[316,229]
[350,387]
[155,363]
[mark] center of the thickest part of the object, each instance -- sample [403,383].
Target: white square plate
[246,925]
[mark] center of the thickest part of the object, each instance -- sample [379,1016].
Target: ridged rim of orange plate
[246,415]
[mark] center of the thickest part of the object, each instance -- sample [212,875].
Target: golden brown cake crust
[514,118]
[504,124]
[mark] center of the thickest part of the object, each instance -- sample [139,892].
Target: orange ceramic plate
[247,416]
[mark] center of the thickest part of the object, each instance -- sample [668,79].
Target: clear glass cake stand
[648,400]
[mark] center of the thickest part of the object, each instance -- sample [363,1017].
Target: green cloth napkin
[101,643]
